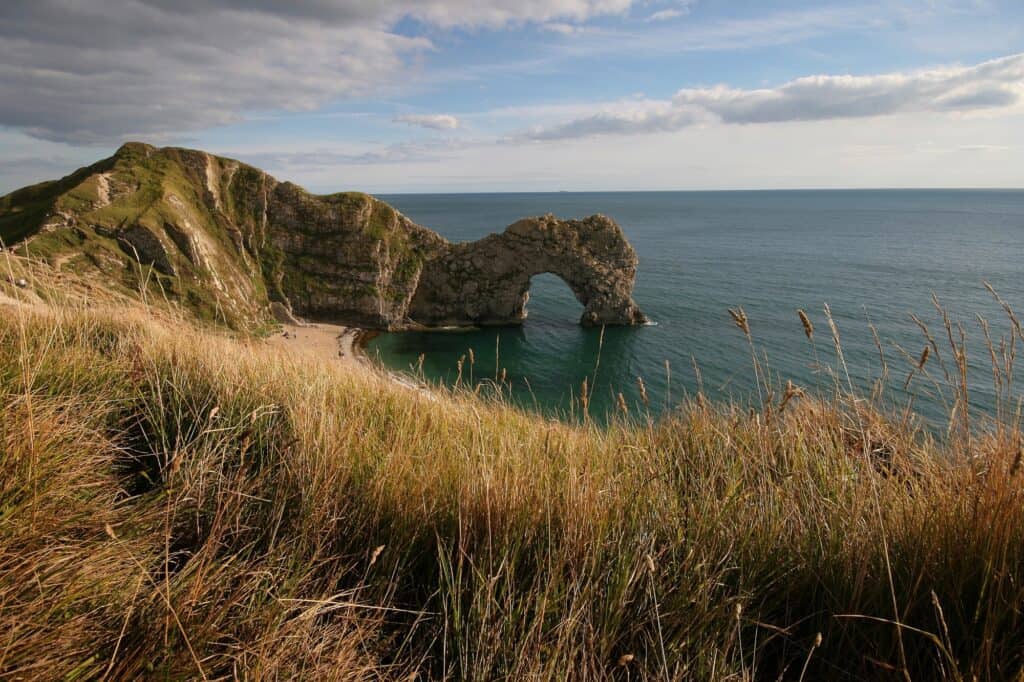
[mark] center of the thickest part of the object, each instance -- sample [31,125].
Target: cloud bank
[431,121]
[992,85]
[97,72]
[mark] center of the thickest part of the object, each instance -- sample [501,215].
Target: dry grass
[184,505]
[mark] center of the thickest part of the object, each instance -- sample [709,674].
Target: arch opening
[549,298]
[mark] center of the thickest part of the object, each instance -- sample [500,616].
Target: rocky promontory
[227,240]
[487,282]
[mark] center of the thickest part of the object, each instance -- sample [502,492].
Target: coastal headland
[235,246]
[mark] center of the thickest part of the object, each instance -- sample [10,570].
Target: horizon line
[707,191]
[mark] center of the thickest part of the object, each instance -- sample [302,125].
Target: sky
[392,96]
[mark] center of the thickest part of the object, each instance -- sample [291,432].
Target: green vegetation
[177,503]
[22,212]
[140,186]
[382,221]
[50,245]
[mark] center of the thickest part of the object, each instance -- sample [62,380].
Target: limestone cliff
[225,240]
[487,282]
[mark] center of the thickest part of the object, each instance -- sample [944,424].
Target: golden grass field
[177,502]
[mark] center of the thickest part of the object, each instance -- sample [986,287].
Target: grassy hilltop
[178,502]
[219,239]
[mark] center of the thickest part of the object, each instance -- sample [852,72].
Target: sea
[875,259]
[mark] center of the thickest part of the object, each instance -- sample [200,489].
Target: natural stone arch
[487,282]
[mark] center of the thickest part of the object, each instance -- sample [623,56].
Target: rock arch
[487,282]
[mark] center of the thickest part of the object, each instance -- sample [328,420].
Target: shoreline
[345,343]
[323,340]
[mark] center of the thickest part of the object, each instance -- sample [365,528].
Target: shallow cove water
[874,256]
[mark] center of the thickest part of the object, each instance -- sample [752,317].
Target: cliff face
[344,257]
[225,240]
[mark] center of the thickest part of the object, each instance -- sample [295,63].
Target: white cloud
[104,70]
[288,163]
[431,121]
[903,150]
[657,39]
[100,71]
[781,27]
[497,13]
[666,15]
[990,86]
[562,28]
[621,118]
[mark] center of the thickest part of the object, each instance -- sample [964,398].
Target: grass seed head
[806,322]
[792,391]
[740,318]
[643,391]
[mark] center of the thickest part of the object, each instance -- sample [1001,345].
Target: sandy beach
[337,342]
[326,341]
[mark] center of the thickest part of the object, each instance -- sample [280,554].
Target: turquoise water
[872,256]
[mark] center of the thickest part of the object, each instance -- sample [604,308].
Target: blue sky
[487,95]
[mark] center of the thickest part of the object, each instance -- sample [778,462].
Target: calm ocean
[872,256]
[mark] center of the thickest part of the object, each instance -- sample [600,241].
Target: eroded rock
[185,242]
[285,316]
[142,244]
[487,282]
